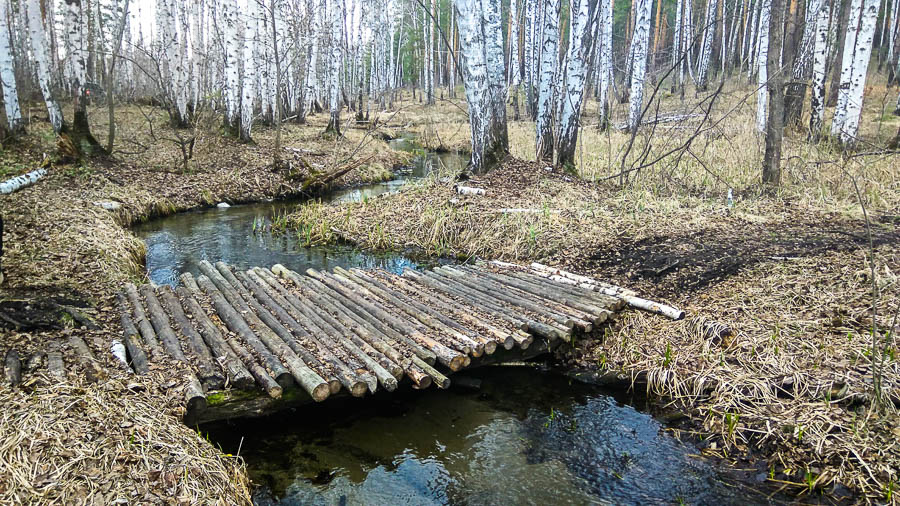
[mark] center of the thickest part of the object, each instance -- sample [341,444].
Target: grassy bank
[786,270]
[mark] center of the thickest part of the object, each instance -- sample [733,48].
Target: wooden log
[457,340]
[576,291]
[514,297]
[34,362]
[438,299]
[55,365]
[342,375]
[130,338]
[627,295]
[194,399]
[452,359]
[423,313]
[304,362]
[296,320]
[17,183]
[143,323]
[523,339]
[190,283]
[361,308]
[308,379]
[466,292]
[208,373]
[372,335]
[595,314]
[12,367]
[161,324]
[92,368]
[389,358]
[345,339]
[238,374]
[233,320]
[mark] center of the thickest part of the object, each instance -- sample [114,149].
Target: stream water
[525,437]
[241,235]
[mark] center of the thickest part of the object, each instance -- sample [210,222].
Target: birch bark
[820,59]
[547,84]
[574,79]
[639,62]
[14,122]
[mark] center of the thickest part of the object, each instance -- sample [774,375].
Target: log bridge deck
[260,340]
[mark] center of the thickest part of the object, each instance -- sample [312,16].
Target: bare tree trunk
[110,92]
[14,121]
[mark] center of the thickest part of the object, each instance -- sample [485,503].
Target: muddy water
[241,235]
[525,437]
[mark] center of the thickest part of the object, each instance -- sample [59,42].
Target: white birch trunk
[640,41]
[232,64]
[709,32]
[36,27]
[605,60]
[248,80]
[8,74]
[678,78]
[547,84]
[840,111]
[820,59]
[762,94]
[334,95]
[574,79]
[861,56]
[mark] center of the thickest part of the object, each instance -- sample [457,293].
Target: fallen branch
[467,190]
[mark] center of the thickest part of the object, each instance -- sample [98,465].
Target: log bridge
[261,340]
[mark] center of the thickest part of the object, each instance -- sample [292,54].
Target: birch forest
[255,62]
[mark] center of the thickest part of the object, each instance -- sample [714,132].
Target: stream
[524,437]
[241,235]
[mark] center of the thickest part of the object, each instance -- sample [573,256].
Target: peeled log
[143,324]
[207,371]
[19,182]
[161,324]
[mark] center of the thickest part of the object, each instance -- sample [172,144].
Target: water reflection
[524,438]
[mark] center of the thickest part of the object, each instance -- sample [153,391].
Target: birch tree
[334,92]
[248,79]
[604,61]
[79,136]
[547,83]
[14,122]
[820,60]
[857,52]
[583,15]
[35,10]
[640,41]
[762,59]
[514,64]
[232,47]
[481,43]
[709,31]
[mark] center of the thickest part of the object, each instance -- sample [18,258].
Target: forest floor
[788,397]
[120,437]
[786,270]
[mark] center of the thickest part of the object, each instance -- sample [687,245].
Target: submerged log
[314,384]
[161,324]
[143,324]
[237,374]
[207,372]
[12,367]
[130,338]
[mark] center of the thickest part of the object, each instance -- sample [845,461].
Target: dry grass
[107,443]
